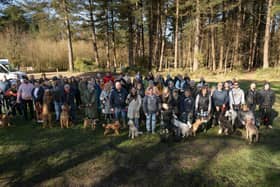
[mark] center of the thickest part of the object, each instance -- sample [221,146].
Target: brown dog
[5,120]
[89,122]
[46,109]
[251,131]
[64,116]
[113,126]
[196,125]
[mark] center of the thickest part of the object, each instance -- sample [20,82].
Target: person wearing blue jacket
[117,102]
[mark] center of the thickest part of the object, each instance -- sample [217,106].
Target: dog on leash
[5,120]
[89,123]
[64,116]
[225,124]
[46,109]
[252,133]
[196,126]
[183,128]
[112,127]
[232,116]
[133,131]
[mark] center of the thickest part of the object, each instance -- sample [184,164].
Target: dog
[89,123]
[232,116]
[183,128]
[112,126]
[225,124]
[5,120]
[64,116]
[46,109]
[196,126]
[133,131]
[252,133]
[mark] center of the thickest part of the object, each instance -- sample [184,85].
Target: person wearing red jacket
[107,78]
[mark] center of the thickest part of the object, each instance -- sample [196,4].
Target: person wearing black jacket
[117,102]
[186,107]
[68,97]
[251,97]
[37,96]
[266,101]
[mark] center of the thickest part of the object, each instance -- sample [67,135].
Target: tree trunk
[69,37]
[163,40]
[95,49]
[213,51]
[142,29]
[108,61]
[267,35]
[236,59]
[176,35]
[113,38]
[130,38]
[221,57]
[151,32]
[197,38]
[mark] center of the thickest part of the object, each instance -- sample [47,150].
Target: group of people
[140,99]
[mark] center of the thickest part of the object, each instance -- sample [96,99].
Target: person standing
[105,101]
[25,98]
[186,107]
[57,92]
[151,107]
[220,100]
[37,95]
[134,101]
[117,102]
[68,97]
[236,97]
[266,102]
[251,97]
[90,102]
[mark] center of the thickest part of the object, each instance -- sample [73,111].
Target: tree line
[220,35]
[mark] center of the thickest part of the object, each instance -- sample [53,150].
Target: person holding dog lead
[251,97]
[203,104]
[266,101]
[117,102]
[220,100]
[90,101]
[236,97]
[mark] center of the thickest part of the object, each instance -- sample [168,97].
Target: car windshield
[10,67]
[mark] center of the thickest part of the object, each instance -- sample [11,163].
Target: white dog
[184,128]
[133,131]
[232,115]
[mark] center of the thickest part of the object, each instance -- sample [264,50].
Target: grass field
[32,156]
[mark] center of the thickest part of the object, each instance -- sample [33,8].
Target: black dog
[225,124]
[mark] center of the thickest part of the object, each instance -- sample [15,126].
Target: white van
[9,72]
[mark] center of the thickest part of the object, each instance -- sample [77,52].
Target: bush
[83,65]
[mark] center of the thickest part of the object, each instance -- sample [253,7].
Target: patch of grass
[30,155]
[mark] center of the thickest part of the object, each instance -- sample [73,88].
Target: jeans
[120,113]
[151,118]
[57,110]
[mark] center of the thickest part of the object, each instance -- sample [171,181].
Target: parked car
[7,70]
